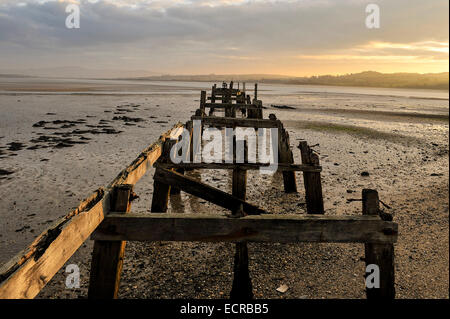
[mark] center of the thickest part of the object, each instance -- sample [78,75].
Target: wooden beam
[107,258]
[312,181]
[246,166]
[231,105]
[206,192]
[26,274]
[225,91]
[134,172]
[29,271]
[236,122]
[210,98]
[262,228]
[381,255]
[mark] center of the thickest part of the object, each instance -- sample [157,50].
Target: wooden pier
[106,216]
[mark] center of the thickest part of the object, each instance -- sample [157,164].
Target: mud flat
[402,144]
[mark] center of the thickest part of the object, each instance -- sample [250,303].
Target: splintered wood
[107,216]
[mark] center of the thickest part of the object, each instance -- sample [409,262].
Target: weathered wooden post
[259,111]
[187,126]
[312,181]
[239,184]
[203,101]
[256,91]
[242,284]
[381,255]
[213,99]
[107,257]
[285,156]
[161,191]
[251,112]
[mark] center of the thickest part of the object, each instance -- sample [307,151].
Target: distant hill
[437,81]
[75,72]
[217,77]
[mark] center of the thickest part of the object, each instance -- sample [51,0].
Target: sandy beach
[62,139]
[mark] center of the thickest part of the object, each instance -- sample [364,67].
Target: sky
[287,37]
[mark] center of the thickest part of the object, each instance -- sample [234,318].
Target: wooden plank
[246,166]
[236,122]
[224,91]
[381,255]
[206,192]
[107,258]
[262,228]
[231,105]
[134,172]
[28,272]
[312,181]
[233,98]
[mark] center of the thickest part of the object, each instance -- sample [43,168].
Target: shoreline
[403,173]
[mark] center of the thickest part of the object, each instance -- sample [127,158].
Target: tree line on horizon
[437,81]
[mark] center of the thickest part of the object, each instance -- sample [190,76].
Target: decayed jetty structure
[107,218]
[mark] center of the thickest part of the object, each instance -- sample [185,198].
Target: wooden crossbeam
[233,98]
[231,105]
[236,122]
[222,91]
[206,192]
[244,166]
[262,228]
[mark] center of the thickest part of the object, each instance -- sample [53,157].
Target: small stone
[365,174]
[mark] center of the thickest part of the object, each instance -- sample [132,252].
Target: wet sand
[56,149]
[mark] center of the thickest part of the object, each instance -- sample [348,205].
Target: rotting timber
[106,215]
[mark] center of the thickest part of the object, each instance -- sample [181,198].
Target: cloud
[170,33]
